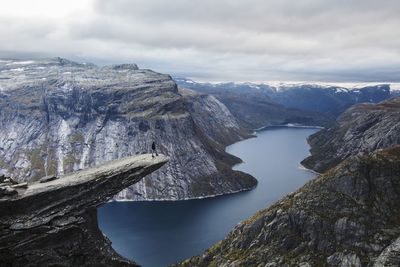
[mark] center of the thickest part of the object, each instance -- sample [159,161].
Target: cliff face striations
[59,116]
[54,223]
[361,129]
[349,216]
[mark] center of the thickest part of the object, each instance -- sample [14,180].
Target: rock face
[258,105]
[253,107]
[330,100]
[58,116]
[349,216]
[361,129]
[54,223]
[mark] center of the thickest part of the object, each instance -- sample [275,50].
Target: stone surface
[48,178]
[361,129]
[348,216]
[55,223]
[59,116]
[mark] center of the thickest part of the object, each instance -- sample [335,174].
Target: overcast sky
[238,40]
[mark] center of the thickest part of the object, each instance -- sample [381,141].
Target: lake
[159,233]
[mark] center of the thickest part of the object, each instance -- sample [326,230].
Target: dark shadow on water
[159,233]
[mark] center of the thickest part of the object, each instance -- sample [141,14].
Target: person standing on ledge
[153,149]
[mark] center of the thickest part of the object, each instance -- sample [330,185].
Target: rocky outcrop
[58,116]
[349,216]
[54,223]
[361,129]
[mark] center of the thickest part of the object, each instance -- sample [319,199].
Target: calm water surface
[161,233]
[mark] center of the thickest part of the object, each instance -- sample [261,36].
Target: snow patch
[17,69]
[21,62]
[63,132]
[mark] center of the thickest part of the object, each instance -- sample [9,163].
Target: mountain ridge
[360,229]
[361,129]
[59,116]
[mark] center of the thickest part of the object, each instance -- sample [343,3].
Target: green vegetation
[76,138]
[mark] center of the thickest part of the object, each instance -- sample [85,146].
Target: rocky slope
[54,223]
[349,216]
[253,107]
[330,100]
[310,104]
[362,128]
[58,116]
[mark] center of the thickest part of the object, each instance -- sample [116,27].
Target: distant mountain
[395,93]
[58,116]
[348,216]
[254,107]
[318,99]
[328,99]
[361,129]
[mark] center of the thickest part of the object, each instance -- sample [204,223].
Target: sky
[214,40]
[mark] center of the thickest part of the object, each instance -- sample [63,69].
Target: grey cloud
[229,40]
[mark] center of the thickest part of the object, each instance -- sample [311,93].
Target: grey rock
[361,129]
[341,259]
[60,116]
[7,191]
[53,223]
[125,67]
[20,185]
[346,217]
[47,178]
[390,256]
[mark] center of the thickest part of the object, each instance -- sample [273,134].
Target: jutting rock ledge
[55,223]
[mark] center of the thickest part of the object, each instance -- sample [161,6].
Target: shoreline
[289,125]
[302,167]
[264,128]
[184,199]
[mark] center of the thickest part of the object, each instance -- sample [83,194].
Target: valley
[59,117]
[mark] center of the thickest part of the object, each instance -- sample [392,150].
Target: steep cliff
[54,222]
[362,128]
[58,116]
[349,216]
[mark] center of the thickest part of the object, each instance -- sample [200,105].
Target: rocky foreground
[349,216]
[59,116]
[54,222]
[361,129]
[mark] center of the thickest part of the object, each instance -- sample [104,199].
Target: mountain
[314,104]
[361,129]
[54,222]
[332,100]
[348,216]
[59,116]
[253,107]
[395,93]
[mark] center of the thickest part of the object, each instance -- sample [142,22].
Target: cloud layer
[310,40]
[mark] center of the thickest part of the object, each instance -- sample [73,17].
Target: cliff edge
[48,223]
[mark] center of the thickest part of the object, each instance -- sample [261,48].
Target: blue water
[161,233]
